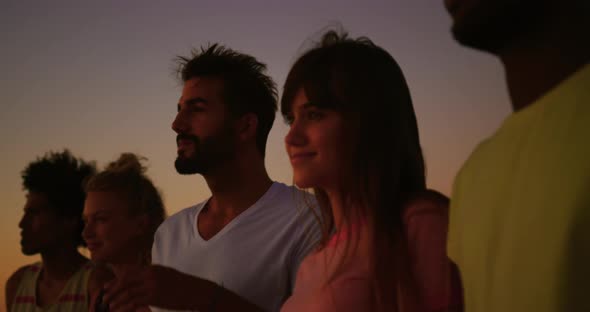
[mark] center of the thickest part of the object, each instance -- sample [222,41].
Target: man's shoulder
[17,276]
[289,197]
[32,267]
[290,204]
[482,156]
[179,218]
[184,213]
[294,210]
[13,283]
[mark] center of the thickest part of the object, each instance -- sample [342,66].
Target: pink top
[426,222]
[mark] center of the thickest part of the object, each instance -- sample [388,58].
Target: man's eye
[196,109]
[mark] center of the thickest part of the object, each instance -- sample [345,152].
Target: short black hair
[246,87]
[60,176]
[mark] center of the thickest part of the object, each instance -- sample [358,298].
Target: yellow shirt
[74,296]
[520,211]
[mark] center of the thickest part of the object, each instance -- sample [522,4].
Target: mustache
[184,136]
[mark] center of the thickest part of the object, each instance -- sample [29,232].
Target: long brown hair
[363,82]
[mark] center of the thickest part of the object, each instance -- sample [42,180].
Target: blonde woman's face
[110,231]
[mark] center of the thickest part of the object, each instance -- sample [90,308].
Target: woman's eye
[289,119]
[314,115]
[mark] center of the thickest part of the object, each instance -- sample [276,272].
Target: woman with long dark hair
[354,139]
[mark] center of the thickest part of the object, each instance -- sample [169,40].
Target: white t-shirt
[256,255]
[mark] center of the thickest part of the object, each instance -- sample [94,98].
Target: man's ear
[247,125]
[143,223]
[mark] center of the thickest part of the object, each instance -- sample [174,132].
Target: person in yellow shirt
[520,211]
[51,226]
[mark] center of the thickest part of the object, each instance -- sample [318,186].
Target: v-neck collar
[235,221]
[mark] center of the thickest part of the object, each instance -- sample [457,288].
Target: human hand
[136,287]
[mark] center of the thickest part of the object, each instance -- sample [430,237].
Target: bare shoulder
[15,278]
[426,202]
[12,284]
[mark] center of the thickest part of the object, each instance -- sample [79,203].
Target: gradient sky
[96,78]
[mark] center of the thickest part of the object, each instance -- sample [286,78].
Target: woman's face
[318,143]
[111,233]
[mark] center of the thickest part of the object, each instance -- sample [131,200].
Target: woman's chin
[302,184]
[97,257]
[310,181]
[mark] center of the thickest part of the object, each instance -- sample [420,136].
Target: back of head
[126,177]
[246,87]
[60,177]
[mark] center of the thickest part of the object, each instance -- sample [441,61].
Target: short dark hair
[60,176]
[246,88]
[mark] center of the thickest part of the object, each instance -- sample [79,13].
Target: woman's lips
[93,246]
[301,157]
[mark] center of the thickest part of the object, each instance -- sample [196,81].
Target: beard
[187,164]
[28,250]
[208,153]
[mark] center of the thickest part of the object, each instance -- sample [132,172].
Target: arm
[175,289]
[426,220]
[97,279]
[12,286]
[344,295]
[170,289]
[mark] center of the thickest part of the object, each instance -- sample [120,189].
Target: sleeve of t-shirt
[308,237]
[426,229]
[156,248]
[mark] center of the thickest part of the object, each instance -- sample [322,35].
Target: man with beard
[240,249]
[52,227]
[520,211]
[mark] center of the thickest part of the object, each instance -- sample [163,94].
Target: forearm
[206,296]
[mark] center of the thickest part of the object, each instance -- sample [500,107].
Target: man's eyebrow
[195,101]
[98,212]
[191,102]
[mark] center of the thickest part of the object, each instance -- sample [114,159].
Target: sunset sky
[97,78]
